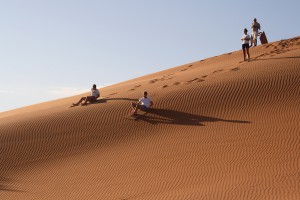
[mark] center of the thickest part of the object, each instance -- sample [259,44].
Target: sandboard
[139,114]
[99,100]
[263,38]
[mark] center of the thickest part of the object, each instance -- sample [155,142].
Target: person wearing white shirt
[245,44]
[255,29]
[144,103]
[95,94]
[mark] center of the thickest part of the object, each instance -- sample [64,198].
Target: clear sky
[51,49]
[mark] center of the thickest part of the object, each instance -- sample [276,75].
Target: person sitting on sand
[245,44]
[95,94]
[143,104]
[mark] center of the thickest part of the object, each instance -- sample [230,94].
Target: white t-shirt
[95,93]
[146,101]
[245,37]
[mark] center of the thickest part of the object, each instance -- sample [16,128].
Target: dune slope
[220,129]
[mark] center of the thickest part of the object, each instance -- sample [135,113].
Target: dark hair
[145,93]
[94,85]
[245,30]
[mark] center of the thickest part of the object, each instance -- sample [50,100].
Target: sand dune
[220,129]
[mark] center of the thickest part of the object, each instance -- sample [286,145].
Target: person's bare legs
[255,40]
[135,108]
[81,100]
[244,52]
[88,99]
[248,54]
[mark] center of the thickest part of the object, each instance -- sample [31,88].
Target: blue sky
[51,49]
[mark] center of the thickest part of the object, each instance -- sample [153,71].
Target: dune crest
[221,128]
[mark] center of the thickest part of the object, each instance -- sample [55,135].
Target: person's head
[94,87]
[145,94]
[245,31]
[254,19]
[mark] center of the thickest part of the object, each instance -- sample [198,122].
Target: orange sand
[220,129]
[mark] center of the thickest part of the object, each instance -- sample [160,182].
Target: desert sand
[220,128]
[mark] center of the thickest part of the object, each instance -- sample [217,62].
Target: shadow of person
[261,59]
[105,100]
[167,116]
[120,99]
[4,182]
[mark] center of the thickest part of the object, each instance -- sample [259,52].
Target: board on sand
[99,100]
[263,38]
[137,115]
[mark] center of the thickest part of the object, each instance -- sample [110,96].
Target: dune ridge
[220,129]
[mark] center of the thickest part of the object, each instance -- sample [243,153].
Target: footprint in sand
[137,86]
[218,70]
[153,81]
[194,80]
[269,45]
[187,82]
[162,79]
[235,69]
[187,68]
[113,93]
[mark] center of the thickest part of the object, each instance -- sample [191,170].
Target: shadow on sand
[257,59]
[166,116]
[5,181]
[105,100]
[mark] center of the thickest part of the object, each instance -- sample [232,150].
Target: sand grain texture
[220,129]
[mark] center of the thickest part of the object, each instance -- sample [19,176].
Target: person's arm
[139,102]
[151,104]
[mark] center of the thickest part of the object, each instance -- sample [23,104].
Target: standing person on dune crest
[254,34]
[245,44]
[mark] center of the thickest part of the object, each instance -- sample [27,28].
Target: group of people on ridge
[246,39]
[144,103]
